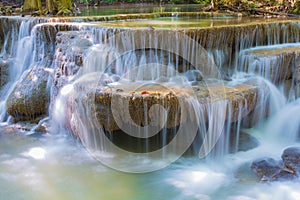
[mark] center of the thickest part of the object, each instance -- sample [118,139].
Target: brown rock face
[133,102]
[29,99]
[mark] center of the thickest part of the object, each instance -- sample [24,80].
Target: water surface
[137,8]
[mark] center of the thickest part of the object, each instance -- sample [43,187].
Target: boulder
[268,169]
[291,159]
[29,99]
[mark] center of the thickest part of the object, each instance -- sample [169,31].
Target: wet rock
[69,55]
[247,142]
[275,63]
[244,142]
[297,69]
[284,175]
[162,79]
[4,71]
[291,159]
[142,98]
[194,75]
[268,169]
[29,99]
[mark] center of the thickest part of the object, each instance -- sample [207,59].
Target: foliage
[253,5]
[32,5]
[201,1]
[297,7]
[59,7]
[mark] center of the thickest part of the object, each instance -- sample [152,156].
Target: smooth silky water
[55,165]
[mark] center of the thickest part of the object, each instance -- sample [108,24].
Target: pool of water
[57,167]
[184,22]
[137,8]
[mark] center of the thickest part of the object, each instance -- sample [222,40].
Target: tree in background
[32,5]
[59,7]
[287,6]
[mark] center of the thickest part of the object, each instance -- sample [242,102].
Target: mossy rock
[30,98]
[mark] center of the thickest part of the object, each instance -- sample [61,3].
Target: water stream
[78,63]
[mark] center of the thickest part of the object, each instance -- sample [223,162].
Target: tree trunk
[64,7]
[214,5]
[51,6]
[32,5]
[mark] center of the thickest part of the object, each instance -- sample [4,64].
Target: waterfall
[18,46]
[167,77]
[141,59]
[284,126]
[274,62]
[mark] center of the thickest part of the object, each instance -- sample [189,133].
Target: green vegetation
[59,7]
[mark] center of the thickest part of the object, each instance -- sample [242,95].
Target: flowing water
[56,165]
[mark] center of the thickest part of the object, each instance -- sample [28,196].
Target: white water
[22,51]
[53,166]
[273,62]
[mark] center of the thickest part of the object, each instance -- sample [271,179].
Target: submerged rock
[29,99]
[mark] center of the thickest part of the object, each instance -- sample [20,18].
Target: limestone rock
[30,98]
[140,99]
[69,54]
[275,63]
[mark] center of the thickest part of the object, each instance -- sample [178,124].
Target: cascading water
[284,126]
[168,83]
[17,47]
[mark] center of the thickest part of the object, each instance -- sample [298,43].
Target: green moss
[253,5]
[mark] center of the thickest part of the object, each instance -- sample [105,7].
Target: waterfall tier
[55,54]
[139,98]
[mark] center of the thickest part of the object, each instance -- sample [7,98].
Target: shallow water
[56,167]
[138,8]
[184,22]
